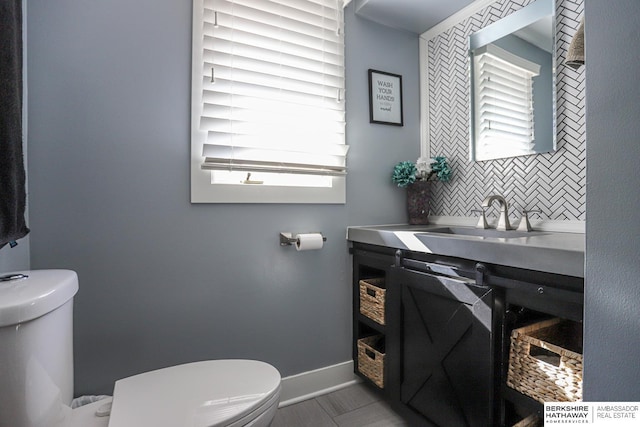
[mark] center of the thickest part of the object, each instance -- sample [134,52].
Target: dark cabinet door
[441,347]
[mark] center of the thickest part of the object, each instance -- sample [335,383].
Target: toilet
[36,372]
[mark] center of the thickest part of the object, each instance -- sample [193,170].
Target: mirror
[513,84]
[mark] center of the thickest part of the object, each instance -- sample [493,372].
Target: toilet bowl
[36,372]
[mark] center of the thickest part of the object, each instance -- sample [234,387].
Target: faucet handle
[482,222]
[525,225]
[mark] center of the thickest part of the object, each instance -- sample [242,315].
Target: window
[268,102]
[503,102]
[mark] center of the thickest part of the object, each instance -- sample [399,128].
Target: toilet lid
[199,394]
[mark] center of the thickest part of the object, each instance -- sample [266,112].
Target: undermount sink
[481,232]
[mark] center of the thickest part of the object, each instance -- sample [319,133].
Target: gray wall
[17,258]
[163,281]
[376,148]
[612,283]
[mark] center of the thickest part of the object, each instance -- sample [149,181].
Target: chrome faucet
[525,225]
[503,219]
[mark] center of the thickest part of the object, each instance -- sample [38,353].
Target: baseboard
[308,385]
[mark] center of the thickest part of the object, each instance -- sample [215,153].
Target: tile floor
[354,406]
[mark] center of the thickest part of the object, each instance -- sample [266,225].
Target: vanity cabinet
[446,332]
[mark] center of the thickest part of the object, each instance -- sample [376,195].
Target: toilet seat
[200,394]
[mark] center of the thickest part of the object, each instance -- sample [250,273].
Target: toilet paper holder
[287,239]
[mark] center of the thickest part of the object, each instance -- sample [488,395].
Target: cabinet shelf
[371,323]
[522,400]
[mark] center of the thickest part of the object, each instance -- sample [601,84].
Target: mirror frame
[514,22]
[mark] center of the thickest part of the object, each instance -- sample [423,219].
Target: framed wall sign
[385,98]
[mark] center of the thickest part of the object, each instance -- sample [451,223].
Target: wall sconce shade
[575,54]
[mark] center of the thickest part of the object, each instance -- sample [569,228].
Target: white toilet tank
[36,346]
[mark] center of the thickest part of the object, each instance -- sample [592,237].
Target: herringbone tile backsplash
[553,182]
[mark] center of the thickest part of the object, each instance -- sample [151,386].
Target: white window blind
[269,97]
[504,102]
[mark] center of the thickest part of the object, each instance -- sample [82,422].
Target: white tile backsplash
[553,182]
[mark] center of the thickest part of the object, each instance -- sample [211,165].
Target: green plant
[441,168]
[424,169]
[404,174]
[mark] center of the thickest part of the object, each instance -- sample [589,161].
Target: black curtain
[12,173]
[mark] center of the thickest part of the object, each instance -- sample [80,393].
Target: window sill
[202,191]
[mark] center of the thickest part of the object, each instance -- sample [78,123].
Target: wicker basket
[372,297]
[545,361]
[371,359]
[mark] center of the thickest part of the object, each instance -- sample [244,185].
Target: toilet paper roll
[308,241]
